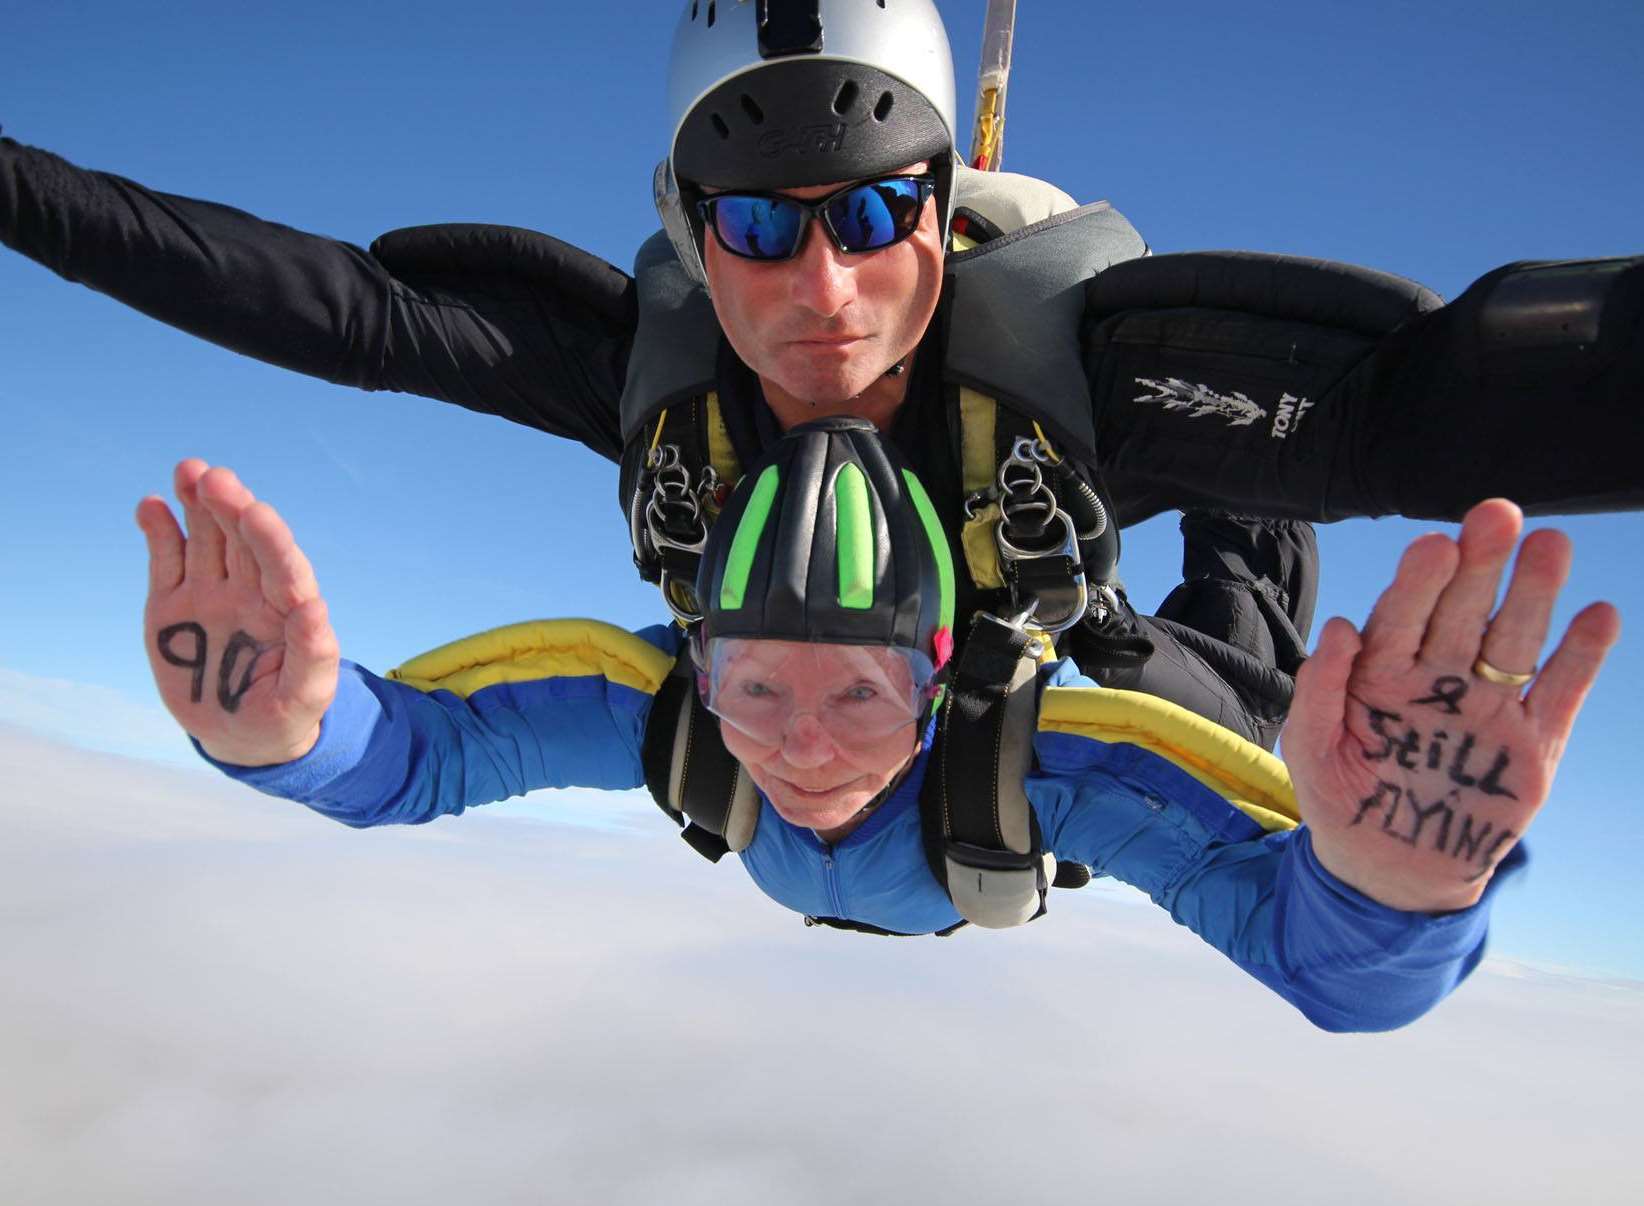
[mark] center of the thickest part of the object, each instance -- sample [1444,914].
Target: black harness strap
[690,773]
[981,838]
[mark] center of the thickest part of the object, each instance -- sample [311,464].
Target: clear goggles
[858,694]
[858,218]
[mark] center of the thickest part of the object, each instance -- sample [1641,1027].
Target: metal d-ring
[1068,550]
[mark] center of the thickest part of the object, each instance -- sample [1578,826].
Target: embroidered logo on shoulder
[1173,393]
[1292,410]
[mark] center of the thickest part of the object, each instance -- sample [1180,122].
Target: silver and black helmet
[773,94]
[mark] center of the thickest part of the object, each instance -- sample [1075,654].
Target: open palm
[237,635]
[1415,772]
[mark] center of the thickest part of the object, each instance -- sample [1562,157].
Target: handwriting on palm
[1451,772]
[234,626]
[215,650]
[1417,775]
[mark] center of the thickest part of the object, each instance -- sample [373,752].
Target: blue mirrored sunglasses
[860,217]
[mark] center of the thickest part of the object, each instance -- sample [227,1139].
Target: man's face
[822,729]
[826,325]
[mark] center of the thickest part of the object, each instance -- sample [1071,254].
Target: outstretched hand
[1414,769]
[236,631]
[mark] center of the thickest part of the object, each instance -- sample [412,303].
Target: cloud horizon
[219,996]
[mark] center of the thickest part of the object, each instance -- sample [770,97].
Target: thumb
[308,676]
[1320,705]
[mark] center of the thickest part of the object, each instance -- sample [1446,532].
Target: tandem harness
[982,841]
[1037,284]
[1037,535]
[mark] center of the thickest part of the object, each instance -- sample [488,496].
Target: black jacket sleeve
[504,321]
[1279,386]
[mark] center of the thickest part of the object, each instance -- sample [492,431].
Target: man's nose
[823,278]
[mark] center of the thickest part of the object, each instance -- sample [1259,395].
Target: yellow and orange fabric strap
[538,649]
[1247,776]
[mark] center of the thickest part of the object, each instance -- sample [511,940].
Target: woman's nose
[806,742]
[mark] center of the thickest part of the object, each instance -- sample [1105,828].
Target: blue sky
[1435,140]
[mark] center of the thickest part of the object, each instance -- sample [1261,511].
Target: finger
[1320,703]
[1564,681]
[1519,629]
[287,578]
[223,494]
[1398,622]
[203,553]
[165,545]
[308,677]
[1488,535]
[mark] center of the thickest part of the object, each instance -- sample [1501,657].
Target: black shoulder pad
[527,256]
[1330,294]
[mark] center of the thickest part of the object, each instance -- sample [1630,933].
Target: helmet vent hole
[695,4]
[720,127]
[710,14]
[752,109]
[882,110]
[846,98]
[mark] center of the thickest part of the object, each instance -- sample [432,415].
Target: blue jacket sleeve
[1263,899]
[391,754]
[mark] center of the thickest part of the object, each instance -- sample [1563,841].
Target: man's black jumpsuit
[1450,407]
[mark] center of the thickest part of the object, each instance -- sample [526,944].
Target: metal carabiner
[1062,614]
[674,521]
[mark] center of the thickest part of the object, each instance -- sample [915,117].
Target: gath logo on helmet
[817,140]
[777,94]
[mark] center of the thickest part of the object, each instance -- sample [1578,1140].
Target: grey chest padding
[677,342]
[1018,304]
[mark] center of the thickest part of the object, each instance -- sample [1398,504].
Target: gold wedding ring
[1492,674]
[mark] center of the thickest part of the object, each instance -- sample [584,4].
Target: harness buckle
[1038,542]
[1104,602]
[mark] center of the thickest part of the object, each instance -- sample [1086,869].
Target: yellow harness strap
[978,420]
[1247,776]
[721,455]
[538,649]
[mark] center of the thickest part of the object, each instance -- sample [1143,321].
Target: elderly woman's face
[823,729]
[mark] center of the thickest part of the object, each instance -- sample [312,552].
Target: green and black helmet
[830,538]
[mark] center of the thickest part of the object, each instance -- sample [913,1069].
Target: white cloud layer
[212,997]
[87,714]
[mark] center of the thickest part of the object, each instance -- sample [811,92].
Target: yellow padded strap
[1251,779]
[981,550]
[977,416]
[721,455]
[538,649]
